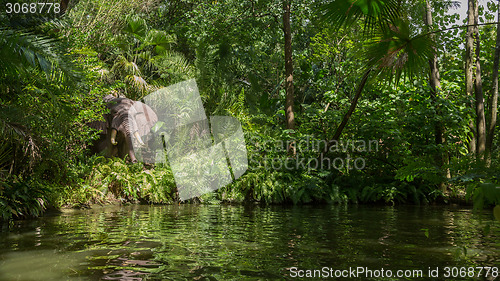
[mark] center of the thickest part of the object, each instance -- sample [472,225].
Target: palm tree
[23,53]
[145,58]
[395,48]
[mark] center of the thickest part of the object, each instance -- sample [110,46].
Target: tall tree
[434,81]
[435,85]
[494,95]
[469,70]
[480,118]
[290,120]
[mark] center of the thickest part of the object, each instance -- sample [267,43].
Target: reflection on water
[182,242]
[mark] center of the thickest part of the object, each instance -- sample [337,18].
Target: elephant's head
[129,121]
[126,123]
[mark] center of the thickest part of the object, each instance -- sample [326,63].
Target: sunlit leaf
[160,39]
[136,26]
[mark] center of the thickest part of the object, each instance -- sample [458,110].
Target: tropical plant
[395,46]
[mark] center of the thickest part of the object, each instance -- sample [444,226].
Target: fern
[22,49]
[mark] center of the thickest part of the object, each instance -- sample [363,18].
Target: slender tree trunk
[348,114]
[354,102]
[469,70]
[434,80]
[494,96]
[480,117]
[290,121]
[435,85]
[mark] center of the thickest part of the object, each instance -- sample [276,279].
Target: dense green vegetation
[402,105]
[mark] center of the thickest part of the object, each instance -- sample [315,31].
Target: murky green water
[189,242]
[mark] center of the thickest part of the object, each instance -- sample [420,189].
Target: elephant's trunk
[113,137]
[138,137]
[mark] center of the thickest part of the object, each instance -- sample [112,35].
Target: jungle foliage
[363,99]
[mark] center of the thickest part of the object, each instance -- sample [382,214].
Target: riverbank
[114,200]
[101,181]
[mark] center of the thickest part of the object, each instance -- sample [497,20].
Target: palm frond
[160,40]
[10,125]
[138,82]
[399,51]
[173,64]
[124,67]
[21,49]
[136,26]
[5,157]
[16,136]
[374,13]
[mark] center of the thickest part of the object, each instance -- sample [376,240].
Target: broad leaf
[136,26]
[160,39]
[400,51]
[373,12]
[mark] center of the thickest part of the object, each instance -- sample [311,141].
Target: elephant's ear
[99,125]
[145,117]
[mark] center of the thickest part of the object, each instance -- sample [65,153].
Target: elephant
[124,127]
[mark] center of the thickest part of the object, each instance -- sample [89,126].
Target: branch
[455,27]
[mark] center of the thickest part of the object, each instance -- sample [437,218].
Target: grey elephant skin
[126,125]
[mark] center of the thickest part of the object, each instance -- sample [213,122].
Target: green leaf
[400,50]
[157,126]
[136,26]
[160,39]
[426,232]
[373,12]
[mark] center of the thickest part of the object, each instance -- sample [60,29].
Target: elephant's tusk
[138,137]
[113,137]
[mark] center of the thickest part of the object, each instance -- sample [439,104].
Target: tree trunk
[354,102]
[469,69]
[348,114]
[434,81]
[435,85]
[290,121]
[480,117]
[494,96]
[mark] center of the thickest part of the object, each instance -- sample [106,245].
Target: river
[221,242]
